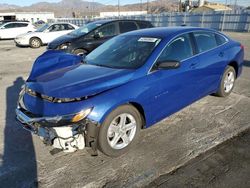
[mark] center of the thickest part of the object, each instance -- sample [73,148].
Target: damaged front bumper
[61,133]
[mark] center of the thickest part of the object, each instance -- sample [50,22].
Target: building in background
[27,16]
[210,7]
[121,13]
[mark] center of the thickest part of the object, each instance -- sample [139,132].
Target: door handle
[221,54]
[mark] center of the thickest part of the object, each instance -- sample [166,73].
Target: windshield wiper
[101,65]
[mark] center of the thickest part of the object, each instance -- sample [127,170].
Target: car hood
[29,34]
[60,40]
[76,80]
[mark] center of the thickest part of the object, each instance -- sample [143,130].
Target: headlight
[81,115]
[64,46]
[66,119]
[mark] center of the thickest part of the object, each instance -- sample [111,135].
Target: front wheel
[227,82]
[119,131]
[35,42]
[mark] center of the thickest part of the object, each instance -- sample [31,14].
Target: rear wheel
[119,131]
[35,42]
[227,82]
[80,52]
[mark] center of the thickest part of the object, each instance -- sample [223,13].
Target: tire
[80,52]
[35,42]
[227,82]
[113,133]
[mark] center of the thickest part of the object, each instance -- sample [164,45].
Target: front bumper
[68,138]
[21,42]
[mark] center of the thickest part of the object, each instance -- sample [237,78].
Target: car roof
[116,20]
[163,32]
[17,22]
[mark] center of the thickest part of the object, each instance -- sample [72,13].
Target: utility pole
[235,4]
[180,6]
[147,6]
[118,6]
[224,15]
[141,5]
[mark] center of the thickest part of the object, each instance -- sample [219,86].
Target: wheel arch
[135,104]
[235,65]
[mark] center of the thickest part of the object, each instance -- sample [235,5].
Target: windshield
[124,52]
[42,28]
[85,29]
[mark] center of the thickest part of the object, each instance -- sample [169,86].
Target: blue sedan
[130,82]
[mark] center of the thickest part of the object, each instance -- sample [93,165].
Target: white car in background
[44,34]
[11,29]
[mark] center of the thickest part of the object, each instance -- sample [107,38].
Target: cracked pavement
[163,148]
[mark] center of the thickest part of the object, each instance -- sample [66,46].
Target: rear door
[212,60]
[21,28]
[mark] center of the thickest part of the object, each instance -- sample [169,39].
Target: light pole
[224,15]
[118,8]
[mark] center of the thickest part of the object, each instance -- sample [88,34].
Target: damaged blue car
[129,83]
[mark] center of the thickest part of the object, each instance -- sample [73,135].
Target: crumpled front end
[66,133]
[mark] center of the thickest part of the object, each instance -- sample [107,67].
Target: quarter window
[205,41]
[179,49]
[127,26]
[220,39]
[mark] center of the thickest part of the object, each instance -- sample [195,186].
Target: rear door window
[205,41]
[68,27]
[21,24]
[143,25]
[126,26]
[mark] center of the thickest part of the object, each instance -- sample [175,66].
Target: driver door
[176,88]
[101,35]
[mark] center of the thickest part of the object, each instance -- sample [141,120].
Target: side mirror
[168,65]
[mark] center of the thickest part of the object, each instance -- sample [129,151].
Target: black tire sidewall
[221,92]
[103,144]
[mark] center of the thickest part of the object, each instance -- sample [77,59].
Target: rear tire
[35,42]
[119,131]
[227,82]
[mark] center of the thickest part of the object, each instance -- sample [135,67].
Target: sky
[113,2]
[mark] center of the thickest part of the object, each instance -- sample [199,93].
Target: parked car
[10,30]
[131,82]
[87,38]
[44,34]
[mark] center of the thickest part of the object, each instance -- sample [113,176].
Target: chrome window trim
[149,71]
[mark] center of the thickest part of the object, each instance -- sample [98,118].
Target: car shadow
[246,63]
[19,168]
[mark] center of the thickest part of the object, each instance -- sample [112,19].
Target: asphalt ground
[175,146]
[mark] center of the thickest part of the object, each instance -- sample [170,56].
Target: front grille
[53,99]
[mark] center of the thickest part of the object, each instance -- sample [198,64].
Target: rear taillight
[242,47]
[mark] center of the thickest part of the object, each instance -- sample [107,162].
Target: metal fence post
[202,20]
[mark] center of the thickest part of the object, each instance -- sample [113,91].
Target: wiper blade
[101,65]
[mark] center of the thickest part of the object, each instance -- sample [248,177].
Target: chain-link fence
[223,21]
